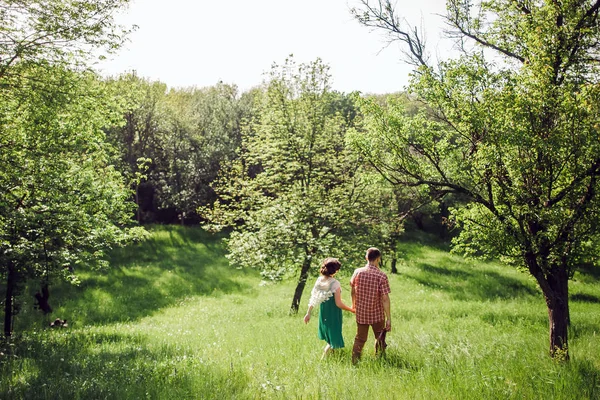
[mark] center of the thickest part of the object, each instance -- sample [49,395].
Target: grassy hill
[172,320]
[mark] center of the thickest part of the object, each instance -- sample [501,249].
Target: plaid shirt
[369,284]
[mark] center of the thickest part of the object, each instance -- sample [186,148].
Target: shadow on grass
[473,284]
[418,239]
[413,249]
[584,298]
[587,381]
[173,264]
[589,273]
[495,318]
[429,263]
[69,365]
[580,329]
[393,359]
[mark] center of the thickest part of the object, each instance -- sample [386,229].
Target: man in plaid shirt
[370,299]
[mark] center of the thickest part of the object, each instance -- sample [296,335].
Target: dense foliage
[62,200]
[181,137]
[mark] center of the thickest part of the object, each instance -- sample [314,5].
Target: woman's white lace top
[324,288]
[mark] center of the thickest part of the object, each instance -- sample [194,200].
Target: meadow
[172,320]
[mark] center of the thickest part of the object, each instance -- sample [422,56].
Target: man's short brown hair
[373,253]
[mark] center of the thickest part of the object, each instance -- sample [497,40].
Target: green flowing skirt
[330,324]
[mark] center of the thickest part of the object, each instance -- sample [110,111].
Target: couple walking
[370,302]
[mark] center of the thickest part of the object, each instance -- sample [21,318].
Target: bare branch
[592,171]
[384,16]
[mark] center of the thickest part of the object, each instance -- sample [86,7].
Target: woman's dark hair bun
[330,266]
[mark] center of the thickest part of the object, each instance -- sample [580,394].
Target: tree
[290,194]
[390,205]
[62,201]
[49,32]
[512,126]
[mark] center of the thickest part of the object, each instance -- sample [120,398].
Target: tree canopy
[183,136]
[51,32]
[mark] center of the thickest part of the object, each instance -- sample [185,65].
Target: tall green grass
[171,320]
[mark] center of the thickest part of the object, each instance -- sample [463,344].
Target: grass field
[171,320]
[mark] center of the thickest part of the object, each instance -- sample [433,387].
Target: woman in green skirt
[327,294]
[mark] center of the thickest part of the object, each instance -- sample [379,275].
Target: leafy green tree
[49,32]
[138,139]
[391,205]
[512,126]
[289,197]
[62,202]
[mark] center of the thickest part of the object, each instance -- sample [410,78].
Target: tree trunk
[393,250]
[558,312]
[445,215]
[555,286]
[137,202]
[418,219]
[300,286]
[11,282]
[394,261]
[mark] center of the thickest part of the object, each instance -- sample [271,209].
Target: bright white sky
[199,42]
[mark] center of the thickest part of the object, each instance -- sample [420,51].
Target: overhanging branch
[383,16]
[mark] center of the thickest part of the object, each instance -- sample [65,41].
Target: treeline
[176,142]
[272,165]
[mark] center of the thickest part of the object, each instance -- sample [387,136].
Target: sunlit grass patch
[172,320]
